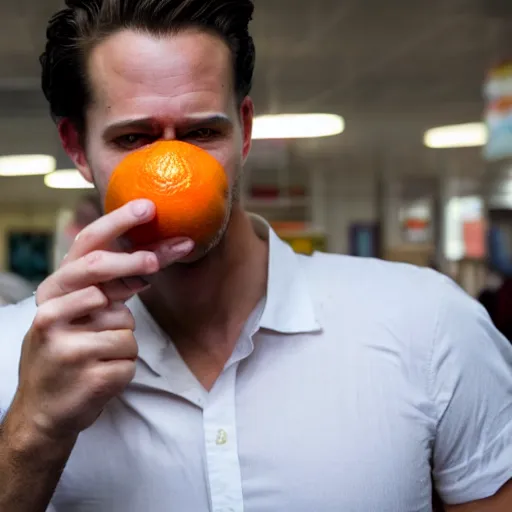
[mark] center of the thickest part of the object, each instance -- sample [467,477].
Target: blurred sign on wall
[305,243]
[498,112]
[416,221]
[465,228]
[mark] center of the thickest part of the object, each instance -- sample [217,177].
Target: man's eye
[202,134]
[133,141]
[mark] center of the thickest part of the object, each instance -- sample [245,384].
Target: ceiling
[349,56]
[392,68]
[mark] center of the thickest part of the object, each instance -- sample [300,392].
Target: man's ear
[72,142]
[247,117]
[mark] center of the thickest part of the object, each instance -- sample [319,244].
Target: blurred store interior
[378,183]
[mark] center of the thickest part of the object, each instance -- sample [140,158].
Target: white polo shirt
[348,381]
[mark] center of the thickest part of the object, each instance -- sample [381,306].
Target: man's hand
[80,351]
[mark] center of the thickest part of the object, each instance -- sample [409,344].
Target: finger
[75,305]
[96,268]
[122,290]
[117,317]
[108,228]
[111,378]
[171,251]
[72,347]
[114,345]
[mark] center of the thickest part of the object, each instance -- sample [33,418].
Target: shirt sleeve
[471,386]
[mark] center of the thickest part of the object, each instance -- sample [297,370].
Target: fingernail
[140,209]
[135,283]
[169,253]
[183,248]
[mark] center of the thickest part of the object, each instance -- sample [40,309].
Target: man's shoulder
[366,298]
[353,275]
[15,320]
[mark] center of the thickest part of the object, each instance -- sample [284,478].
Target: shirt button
[222,437]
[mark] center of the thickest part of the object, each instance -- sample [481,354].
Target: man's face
[148,88]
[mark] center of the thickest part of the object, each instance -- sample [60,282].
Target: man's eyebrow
[198,121]
[147,124]
[143,124]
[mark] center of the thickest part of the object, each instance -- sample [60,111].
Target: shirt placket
[223,465]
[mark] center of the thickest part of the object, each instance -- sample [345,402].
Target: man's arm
[500,502]
[79,353]
[470,383]
[30,468]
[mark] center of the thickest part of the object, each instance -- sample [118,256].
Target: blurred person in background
[502,308]
[497,294]
[247,378]
[487,296]
[13,288]
[86,212]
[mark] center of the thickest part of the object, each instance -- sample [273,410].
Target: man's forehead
[132,68]
[142,59]
[136,75]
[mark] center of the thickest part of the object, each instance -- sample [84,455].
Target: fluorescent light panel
[66,179]
[26,165]
[297,126]
[457,136]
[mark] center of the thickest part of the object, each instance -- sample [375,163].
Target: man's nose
[169,133]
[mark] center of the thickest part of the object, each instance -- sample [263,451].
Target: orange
[187,185]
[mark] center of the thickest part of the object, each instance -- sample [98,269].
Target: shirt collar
[152,339]
[289,308]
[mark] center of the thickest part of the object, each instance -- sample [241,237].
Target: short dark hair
[74,30]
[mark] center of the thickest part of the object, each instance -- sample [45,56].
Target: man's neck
[203,307]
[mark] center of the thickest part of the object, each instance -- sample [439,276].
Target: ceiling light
[26,165]
[66,179]
[297,126]
[457,136]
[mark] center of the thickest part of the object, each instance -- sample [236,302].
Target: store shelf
[279,186]
[279,203]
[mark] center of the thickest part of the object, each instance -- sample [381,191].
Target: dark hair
[73,31]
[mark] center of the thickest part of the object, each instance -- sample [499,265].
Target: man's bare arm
[79,353]
[30,468]
[500,502]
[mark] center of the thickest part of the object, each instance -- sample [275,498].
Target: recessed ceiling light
[26,165]
[297,126]
[457,136]
[66,179]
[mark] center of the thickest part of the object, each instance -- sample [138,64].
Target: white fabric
[13,288]
[347,381]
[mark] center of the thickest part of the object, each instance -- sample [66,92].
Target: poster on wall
[498,112]
[30,254]
[364,240]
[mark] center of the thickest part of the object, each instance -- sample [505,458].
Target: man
[246,378]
